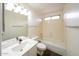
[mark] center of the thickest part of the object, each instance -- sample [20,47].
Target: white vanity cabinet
[31,52]
[28,47]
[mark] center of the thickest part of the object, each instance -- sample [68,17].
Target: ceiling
[43,8]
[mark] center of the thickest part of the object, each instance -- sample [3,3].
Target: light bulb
[17,9]
[9,6]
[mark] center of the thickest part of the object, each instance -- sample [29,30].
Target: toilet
[41,47]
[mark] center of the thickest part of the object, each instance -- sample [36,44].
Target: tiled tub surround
[13,48]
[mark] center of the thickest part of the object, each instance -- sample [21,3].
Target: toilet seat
[41,46]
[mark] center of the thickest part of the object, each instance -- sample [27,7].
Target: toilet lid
[41,46]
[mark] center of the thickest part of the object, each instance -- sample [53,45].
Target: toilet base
[40,52]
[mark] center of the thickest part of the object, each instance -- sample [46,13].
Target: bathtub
[55,48]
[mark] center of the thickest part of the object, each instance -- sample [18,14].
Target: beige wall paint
[35,31]
[72,34]
[53,31]
[15,25]
[34,25]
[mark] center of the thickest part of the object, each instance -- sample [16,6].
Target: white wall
[71,18]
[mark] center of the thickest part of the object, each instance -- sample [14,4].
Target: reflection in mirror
[15,20]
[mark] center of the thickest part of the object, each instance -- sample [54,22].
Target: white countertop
[9,52]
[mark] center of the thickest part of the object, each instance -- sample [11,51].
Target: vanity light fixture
[9,6]
[16,8]
[23,11]
[29,13]
[26,12]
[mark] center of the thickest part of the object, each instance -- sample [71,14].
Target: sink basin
[19,47]
[13,48]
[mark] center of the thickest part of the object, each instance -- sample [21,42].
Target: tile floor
[49,53]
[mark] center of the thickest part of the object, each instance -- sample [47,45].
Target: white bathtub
[55,48]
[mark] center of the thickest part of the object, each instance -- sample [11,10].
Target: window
[52,18]
[47,18]
[55,17]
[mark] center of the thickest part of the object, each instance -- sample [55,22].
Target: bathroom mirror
[15,22]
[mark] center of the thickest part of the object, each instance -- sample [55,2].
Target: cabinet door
[33,51]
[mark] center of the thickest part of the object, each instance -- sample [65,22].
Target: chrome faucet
[19,39]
